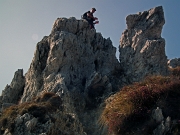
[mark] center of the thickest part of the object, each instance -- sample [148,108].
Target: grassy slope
[38,107]
[130,109]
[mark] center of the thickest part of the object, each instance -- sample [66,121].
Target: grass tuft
[175,71]
[129,108]
[46,103]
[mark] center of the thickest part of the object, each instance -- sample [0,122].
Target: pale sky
[23,23]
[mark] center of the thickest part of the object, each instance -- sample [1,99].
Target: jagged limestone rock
[142,49]
[77,64]
[157,115]
[71,55]
[43,115]
[30,125]
[160,129]
[64,124]
[12,93]
[163,127]
[173,63]
[80,66]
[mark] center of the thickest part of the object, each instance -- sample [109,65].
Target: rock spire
[142,49]
[77,68]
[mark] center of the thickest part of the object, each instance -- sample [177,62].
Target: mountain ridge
[80,67]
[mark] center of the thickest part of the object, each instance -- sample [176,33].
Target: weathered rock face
[80,66]
[12,93]
[165,125]
[142,50]
[77,64]
[70,57]
[173,63]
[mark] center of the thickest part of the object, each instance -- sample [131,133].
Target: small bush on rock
[40,106]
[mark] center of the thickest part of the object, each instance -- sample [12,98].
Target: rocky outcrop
[80,67]
[77,64]
[142,49]
[173,63]
[69,58]
[164,125]
[12,93]
[66,124]
[44,115]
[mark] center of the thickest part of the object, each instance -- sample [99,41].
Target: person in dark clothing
[90,18]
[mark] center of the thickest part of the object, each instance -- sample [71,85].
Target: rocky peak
[142,49]
[13,92]
[78,65]
[69,57]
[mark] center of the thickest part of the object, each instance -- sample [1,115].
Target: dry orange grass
[132,106]
[175,71]
[40,106]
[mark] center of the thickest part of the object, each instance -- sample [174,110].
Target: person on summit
[90,18]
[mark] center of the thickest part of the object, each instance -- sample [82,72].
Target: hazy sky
[23,23]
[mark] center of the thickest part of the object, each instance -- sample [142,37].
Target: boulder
[173,63]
